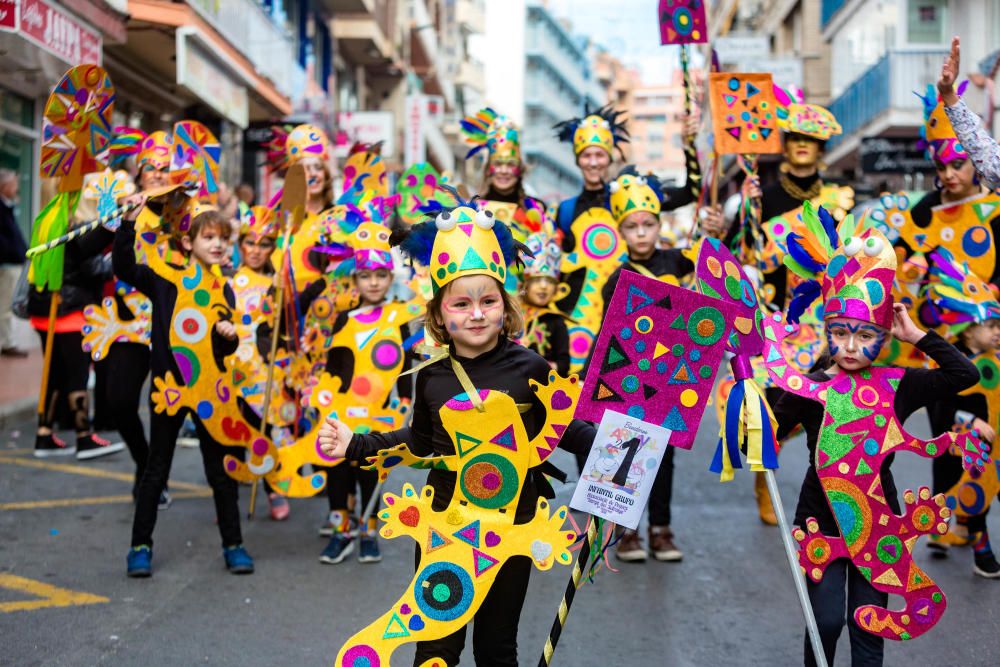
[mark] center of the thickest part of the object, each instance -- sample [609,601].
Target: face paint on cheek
[834,348]
[874,348]
[452,326]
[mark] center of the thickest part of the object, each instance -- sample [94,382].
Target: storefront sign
[52,29]
[198,72]
[414,117]
[733,49]
[880,155]
[367,127]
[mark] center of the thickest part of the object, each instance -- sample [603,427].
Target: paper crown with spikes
[632,192]
[937,136]
[289,145]
[603,128]
[155,151]
[811,120]
[852,270]
[497,134]
[547,255]
[461,241]
[258,222]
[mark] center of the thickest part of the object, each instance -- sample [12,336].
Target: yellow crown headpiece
[603,128]
[259,222]
[461,241]
[154,152]
[631,192]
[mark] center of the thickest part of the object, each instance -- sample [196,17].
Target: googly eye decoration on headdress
[494,132]
[937,136]
[603,128]
[632,192]
[259,222]
[852,270]
[460,241]
[547,255]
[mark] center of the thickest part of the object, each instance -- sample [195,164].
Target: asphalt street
[65,524]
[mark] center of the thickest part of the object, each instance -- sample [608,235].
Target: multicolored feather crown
[603,128]
[631,192]
[937,135]
[811,120]
[125,142]
[547,255]
[957,293]
[494,132]
[259,222]
[853,271]
[155,152]
[460,241]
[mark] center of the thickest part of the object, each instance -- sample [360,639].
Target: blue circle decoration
[682,21]
[661,367]
[871,447]
[640,346]
[443,591]
[695,355]
[392,461]
[205,409]
[974,248]
[630,383]
[626,333]
[637,411]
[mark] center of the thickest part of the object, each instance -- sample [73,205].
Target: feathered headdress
[852,270]
[604,128]
[632,192]
[497,134]
[958,296]
[460,241]
[937,136]
[125,142]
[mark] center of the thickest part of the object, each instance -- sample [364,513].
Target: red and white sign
[52,29]
[414,118]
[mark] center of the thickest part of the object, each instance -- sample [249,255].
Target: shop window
[17,150]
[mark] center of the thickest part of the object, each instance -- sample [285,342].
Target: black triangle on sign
[614,357]
[647,391]
[603,392]
[665,303]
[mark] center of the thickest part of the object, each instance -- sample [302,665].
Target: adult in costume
[503,172]
[981,147]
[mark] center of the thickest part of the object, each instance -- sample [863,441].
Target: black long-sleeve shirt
[162,293]
[663,262]
[919,387]
[506,368]
[557,343]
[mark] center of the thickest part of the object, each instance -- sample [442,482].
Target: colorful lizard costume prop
[464,546]
[860,429]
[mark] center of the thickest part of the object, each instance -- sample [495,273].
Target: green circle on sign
[706,326]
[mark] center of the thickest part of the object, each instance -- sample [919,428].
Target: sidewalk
[20,379]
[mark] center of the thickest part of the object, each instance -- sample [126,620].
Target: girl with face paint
[860,318]
[469,255]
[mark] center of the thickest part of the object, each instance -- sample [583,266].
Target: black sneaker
[987,566]
[337,549]
[94,446]
[50,445]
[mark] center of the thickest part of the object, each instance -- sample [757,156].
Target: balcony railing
[246,26]
[888,84]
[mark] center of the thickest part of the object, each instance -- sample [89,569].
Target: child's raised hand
[226,329]
[903,327]
[334,436]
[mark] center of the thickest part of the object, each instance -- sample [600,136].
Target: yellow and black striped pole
[567,601]
[80,230]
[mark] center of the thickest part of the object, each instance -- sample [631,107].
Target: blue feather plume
[803,296]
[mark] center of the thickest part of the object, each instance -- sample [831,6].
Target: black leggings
[68,374]
[834,599]
[494,632]
[127,365]
[163,432]
[341,482]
